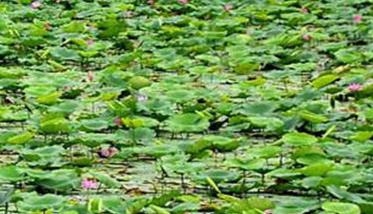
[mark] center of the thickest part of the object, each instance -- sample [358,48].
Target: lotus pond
[186,106]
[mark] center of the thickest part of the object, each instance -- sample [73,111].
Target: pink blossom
[77,198]
[307,37]
[354,87]
[47,26]
[108,153]
[35,5]
[90,76]
[228,7]
[358,19]
[151,2]
[91,27]
[104,153]
[141,98]
[183,1]
[304,10]
[118,121]
[113,150]
[128,14]
[90,42]
[267,211]
[89,184]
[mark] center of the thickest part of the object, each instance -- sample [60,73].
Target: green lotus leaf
[246,67]
[284,173]
[6,195]
[341,208]
[324,80]
[296,205]
[317,169]
[54,126]
[298,139]
[312,117]
[111,27]
[4,50]
[12,72]
[265,152]
[251,205]
[42,156]
[106,179]
[65,54]
[257,164]
[258,108]
[21,138]
[218,176]
[41,203]
[95,124]
[218,142]
[260,203]
[270,123]
[185,207]
[74,27]
[66,107]
[49,99]
[188,122]
[95,205]
[139,82]
[38,91]
[349,56]
[180,95]
[343,194]
[59,180]
[311,182]
[11,174]
[362,136]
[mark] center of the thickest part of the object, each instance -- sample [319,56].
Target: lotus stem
[6,207]
[182,179]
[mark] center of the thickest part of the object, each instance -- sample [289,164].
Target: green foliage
[186,106]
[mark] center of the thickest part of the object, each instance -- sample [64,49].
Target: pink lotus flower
[228,7]
[307,37]
[141,98]
[354,87]
[90,42]
[91,27]
[104,153]
[113,151]
[304,10]
[128,14]
[358,19]
[108,153]
[90,76]
[89,184]
[47,26]
[118,121]
[35,5]
[183,1]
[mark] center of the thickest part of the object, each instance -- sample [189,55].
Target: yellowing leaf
[324,80]
[21,139]
[49,98]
